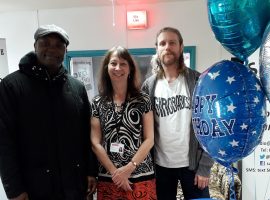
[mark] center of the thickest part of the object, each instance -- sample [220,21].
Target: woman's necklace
[119,104]
[118,108]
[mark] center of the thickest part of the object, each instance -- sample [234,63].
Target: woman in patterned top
[122,131]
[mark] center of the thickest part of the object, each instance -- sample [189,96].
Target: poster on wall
[256,166]
[187,59]
[3,58]
[82,69]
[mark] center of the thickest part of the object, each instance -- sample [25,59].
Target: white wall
[18,29]
[90,28]
[2,192]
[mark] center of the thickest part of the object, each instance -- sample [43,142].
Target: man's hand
[92,184]
[201,181]
[22,196]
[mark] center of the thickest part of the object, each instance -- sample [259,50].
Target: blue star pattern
[228,112]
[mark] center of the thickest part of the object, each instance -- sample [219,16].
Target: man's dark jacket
[44,134]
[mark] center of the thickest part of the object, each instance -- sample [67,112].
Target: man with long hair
[178,155]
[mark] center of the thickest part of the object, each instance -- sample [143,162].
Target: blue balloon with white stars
[229,111]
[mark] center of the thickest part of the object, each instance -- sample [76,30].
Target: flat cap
[49,29]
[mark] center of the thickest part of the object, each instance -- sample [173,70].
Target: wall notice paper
[3,58]
[82,69]
[187,59]
[256,166]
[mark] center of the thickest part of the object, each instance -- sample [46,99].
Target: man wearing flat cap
[45,151]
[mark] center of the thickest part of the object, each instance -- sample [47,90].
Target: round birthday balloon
[229,111]
[239,24]
[264,60]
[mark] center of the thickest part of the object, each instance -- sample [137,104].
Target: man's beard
[169,61]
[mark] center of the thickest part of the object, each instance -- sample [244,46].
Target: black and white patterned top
[125,127]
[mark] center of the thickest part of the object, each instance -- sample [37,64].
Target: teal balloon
[239,24]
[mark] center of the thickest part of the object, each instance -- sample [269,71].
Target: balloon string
[246,62]
[230,173]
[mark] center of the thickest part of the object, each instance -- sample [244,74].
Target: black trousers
[167,181]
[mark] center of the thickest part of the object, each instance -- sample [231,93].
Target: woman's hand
[121,175]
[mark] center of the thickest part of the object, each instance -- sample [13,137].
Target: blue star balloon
[264,60]
[239,24]
[229,111]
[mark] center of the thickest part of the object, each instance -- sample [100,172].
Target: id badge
[117,148]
